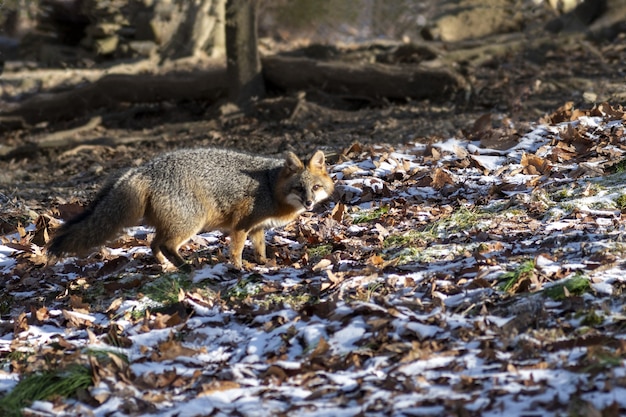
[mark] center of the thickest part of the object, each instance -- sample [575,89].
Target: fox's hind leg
[167,250]
[166,244]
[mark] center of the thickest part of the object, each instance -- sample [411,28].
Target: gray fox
[187,191]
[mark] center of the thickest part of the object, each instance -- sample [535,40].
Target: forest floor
[471,263]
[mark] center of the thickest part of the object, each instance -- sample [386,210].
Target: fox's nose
[308,204]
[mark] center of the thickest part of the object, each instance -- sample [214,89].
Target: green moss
[563,194]
[167,288]
[319,251]
[366,216]
[6,303]
[463,219]
[103,355]
[577,285]
[412,238]
[618,167]
[246,287]
[592,319]
[512,277]
[294,300]
[620,201]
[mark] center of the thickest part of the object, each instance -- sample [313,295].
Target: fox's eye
[316,187]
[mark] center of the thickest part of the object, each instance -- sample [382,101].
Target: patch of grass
[567,207]
[17,356]
[465,218]
[512,213]
[431,253]
[620,201]
[246,287]
[407,255]
[166,289]
[319,251]
[577,285]
[6,303]
[599,359]
[602,205]
[618,167]
[511,278]
[565,193]
[365,293]
[412,238]
[369,215]
[412,246]
[294,300]
[103,355]
[592,319]
[43,386]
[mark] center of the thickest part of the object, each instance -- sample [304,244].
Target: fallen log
[288,73]
[363,79]
[112,90]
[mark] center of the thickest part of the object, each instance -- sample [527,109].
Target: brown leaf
[75,319]
[440,178]
[349,170]
[163,321]
[154,380]
[277,373]
[42,232]
[605,110]
[115,304]
[124,285]
[19,246]
[38,316]
[215,386]
[172,349]
[77,304]
[535,165]
[562,114]
[321,349]
[322,264]
[354,149]
[21,324]
[482,123]
[338,212]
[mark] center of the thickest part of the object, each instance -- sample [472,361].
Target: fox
[185,192]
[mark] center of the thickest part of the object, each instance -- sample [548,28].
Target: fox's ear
[292,162]
[317,161]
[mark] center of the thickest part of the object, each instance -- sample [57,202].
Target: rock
[469,19]
[106,46]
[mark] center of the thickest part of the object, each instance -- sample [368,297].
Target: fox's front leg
[258,241]
[237,242]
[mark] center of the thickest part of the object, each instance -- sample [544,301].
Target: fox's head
[304,185]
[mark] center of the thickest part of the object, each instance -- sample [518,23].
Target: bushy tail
[120,203]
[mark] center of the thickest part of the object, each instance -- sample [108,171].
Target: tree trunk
[243,63]
[200,27]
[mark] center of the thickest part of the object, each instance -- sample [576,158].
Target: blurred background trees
[68,31]
[363,49]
